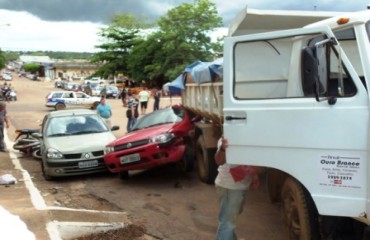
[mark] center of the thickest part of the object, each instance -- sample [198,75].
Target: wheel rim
[60,107]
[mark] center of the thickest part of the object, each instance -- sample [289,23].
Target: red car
[157,138]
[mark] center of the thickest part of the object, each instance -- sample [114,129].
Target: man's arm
[220,156]
[6,121]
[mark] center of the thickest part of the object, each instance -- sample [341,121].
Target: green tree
[2,59]
[183,37]
[119,39]
[31,67]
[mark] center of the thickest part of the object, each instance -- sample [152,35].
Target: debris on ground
[130,232]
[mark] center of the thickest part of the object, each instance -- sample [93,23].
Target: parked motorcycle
[11,95]
[25,143]
[8,94]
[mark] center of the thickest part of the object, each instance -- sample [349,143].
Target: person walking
[3,123]
[157,96]
[105,111]
[123,96]
[88,89]
[132,112]
[232,183]
[143,99]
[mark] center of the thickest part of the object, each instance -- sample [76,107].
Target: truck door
[272,117]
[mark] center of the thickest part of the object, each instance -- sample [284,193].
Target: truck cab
[296,101]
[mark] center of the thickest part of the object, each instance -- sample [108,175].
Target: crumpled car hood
[144,133]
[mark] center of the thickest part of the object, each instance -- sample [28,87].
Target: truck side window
[339,83]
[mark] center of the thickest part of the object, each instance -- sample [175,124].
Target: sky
[72,25]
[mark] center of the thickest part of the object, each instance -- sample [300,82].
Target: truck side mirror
[314,73]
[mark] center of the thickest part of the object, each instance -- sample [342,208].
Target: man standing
[231,185]
[143,99]
[3,121]
[123,96]
[157,97]
[104,110]
[131,112]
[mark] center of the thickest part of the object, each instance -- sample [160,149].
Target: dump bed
[204,99]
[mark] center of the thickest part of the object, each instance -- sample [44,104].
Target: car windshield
[164,116]
[75,125]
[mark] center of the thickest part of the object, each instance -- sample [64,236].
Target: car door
[269,121]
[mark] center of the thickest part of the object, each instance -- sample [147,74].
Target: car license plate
[130,158]
[88,164]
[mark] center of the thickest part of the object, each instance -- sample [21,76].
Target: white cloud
[27,32]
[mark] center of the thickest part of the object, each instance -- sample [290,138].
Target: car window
[75,125]
[80,95]
[57,95]
[165,116]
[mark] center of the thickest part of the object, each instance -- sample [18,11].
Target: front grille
[80,155]
[71,164]
[131,145]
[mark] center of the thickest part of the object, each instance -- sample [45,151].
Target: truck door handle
[230,118]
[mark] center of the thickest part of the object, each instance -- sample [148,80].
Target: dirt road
[169,203]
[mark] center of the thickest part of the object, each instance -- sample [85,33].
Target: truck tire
[299,213]
[60,106]
[187,161]
[207,168]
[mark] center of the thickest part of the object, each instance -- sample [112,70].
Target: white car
[60,100]
[7,77]
[73,143]
[94,80]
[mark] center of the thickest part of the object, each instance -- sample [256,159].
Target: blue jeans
[130,123]
[231,205]
[2,144]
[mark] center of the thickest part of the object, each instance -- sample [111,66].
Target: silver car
[73,142]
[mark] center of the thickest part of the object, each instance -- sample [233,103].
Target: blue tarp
[201,72]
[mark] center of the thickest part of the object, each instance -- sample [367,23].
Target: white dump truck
[295,101]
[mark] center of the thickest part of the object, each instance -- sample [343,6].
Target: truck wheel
[299,213]
[207,168]
[60,106]
[187,161]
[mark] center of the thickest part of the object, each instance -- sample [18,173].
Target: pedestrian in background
[232,183]
[132,112]
[157,96]
[105,111]
[143,99]
[3,123]
[123,96]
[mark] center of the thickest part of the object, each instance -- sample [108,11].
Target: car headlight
[108,149]
[163,138]
[53,153]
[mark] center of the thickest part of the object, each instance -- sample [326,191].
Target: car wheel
[299,213]
[124,175]
[60,106]
[207,168]
[47,177]
[187,161]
